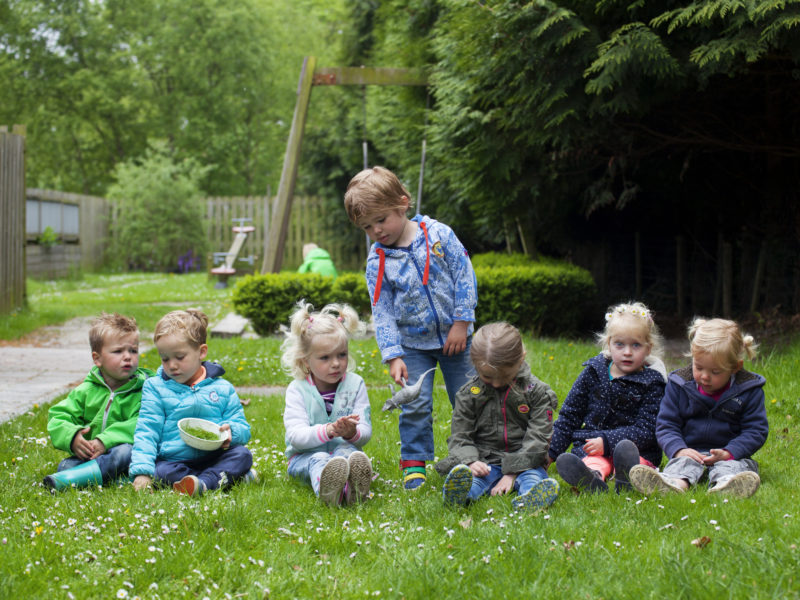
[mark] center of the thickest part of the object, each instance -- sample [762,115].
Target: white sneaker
[359,476]
[740,485]
[332,480]
[647,481]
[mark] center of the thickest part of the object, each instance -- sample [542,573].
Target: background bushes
[268,300]
[546,296]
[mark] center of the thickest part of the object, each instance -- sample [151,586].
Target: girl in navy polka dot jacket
[609,416]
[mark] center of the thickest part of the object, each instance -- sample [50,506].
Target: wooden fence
[12,218]
[310,222]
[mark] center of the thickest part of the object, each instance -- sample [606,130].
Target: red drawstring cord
[382,265]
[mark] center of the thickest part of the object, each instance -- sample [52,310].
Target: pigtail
[750,348]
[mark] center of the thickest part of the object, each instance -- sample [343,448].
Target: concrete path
[43,365]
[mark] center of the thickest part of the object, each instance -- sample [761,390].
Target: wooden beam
[279,224]
[369,76]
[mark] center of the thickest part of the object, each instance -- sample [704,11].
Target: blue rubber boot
[84,475]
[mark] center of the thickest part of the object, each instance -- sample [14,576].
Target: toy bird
[405,394]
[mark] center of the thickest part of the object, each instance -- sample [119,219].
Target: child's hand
[227,443]
[456,341]
[594,446]
[344,427]
[141,482]
[98,448]
[80,446]
[505,485]
[398,369]
[716,456]
[691,453]
[479,468]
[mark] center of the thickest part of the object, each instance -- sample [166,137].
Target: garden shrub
[548,297]
[268,300]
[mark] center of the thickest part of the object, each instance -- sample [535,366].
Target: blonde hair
[373,191]
[627,316]
[336,320]
[721,339]
[497,346]
[191,324]
[110,324]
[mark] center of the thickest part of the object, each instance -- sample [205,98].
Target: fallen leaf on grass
[465,523]
[701,542]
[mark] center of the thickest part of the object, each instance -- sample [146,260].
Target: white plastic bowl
[199,443]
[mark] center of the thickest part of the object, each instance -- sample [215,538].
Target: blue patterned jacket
[408,313]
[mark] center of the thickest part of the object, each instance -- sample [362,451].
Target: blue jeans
[416,419]
[522,484]
[114,463]
[235,462]
[307,466]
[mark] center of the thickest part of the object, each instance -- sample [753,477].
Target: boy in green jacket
[95,423]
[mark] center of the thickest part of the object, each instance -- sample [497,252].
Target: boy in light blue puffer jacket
[188,386]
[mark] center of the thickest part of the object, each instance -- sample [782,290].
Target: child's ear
[739,365]
[96,359]
[405,202]
[203,351]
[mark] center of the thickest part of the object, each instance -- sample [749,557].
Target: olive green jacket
[511,428]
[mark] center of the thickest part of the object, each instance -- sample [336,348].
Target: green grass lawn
[274,539]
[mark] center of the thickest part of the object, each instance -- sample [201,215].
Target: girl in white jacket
[327,416]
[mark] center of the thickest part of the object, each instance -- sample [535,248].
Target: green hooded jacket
[110,416]
[318,261]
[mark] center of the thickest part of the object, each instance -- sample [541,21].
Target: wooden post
[273,249]
[679,274]
[727,279]
[638,260]
[760,266]
[310,76]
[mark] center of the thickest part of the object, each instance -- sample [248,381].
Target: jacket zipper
[505,421]
[430,299]
[108,408]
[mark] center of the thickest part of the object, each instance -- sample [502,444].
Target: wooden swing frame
[311,76]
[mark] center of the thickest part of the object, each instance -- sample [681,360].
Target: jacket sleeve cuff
[464,314]
[391,352]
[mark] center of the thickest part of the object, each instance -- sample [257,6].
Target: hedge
[268,300]
[548,296]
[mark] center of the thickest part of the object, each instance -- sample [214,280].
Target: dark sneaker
[626,456]
[457,485]
[647,481]
[542,495]
[575,472]
[741,485]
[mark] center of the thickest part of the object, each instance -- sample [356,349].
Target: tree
[159,211]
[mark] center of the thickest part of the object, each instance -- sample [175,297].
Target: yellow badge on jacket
[475,390]
[524,408]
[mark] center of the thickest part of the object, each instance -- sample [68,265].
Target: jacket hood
[213,370]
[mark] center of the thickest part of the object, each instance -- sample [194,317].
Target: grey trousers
[692,471]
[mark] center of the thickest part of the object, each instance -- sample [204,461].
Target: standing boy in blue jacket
[424,294]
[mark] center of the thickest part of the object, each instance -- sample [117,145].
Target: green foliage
[351,288]
[268,300]
[545,298]
[48,238]
[95,82]
[160,215]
